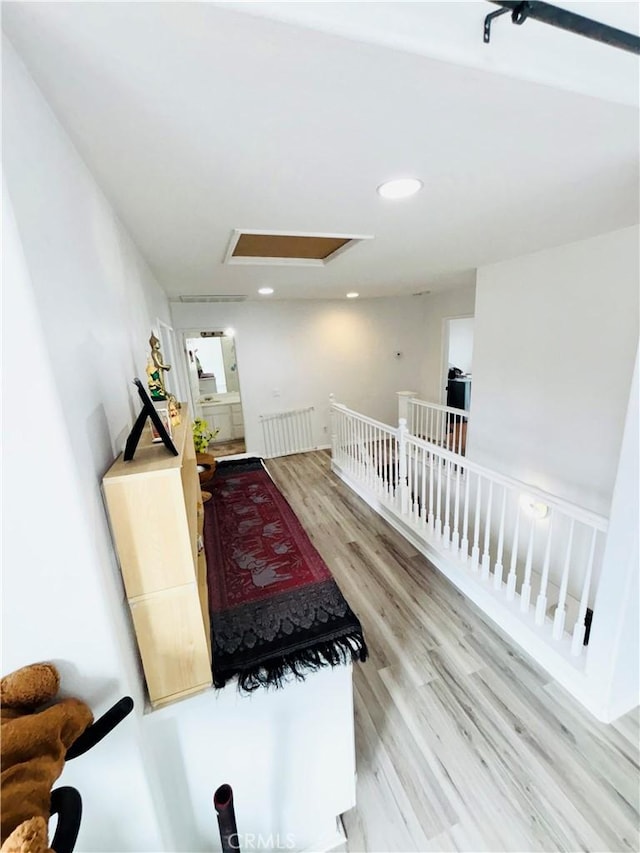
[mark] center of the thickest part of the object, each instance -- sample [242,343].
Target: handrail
[464,413]
[472,514]
[342,408]
[600,522]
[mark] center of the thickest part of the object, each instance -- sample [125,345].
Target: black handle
[67,804]
[223,804]
[101,727]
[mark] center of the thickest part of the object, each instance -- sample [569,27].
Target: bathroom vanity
[223,412]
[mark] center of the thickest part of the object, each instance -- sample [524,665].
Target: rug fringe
[274,672]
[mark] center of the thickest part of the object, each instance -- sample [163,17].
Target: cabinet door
[222,422]
[151,530]
[172,641]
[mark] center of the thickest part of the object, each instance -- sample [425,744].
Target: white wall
[614,648]
[433,367]
[78,291]
[555,339]
[306,350]
[461,343]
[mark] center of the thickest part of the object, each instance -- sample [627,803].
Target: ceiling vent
[288,248]
[211,298]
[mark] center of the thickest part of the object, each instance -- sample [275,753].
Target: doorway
[457,356]
[214,388]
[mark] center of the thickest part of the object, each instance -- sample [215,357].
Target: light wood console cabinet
[155,509]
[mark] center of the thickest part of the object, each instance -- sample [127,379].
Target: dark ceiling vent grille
[211,298]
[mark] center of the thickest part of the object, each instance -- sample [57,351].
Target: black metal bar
[101,728]
[569,21]
[223,804]
[487,23]
[67,804]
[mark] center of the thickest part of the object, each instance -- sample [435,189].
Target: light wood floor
[462,742]
[227,448]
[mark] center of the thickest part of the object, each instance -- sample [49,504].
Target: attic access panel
[287,248]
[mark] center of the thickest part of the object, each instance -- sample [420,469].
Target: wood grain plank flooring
[462,742]
[227,448]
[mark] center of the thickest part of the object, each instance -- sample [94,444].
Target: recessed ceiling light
[352,295]
[229,332]
[400,188]
[265,291]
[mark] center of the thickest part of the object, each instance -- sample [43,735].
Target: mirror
[216,366]
[215,386]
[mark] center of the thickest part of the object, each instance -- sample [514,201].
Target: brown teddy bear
[34,743]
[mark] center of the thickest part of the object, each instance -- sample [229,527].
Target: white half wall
[79,306]
[554,345]
[293,354]
[614,650]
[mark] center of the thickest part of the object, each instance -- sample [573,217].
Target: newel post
[332,425]
[402,466]
[403,404]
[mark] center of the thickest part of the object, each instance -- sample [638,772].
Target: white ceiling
[197,119]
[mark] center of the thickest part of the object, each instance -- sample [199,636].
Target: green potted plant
[202,435]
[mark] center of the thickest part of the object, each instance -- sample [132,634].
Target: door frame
[444,352]
[185,334]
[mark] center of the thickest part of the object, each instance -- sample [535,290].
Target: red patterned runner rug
[275,608]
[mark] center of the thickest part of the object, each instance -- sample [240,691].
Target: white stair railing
[537,554]
[443,426]
[367,449]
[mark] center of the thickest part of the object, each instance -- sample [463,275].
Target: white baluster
[498,568]
[402,466]
[464,543]
[368,455]
[446,533]
[386,465]
[423,487]
[335,429]
[455,539]
[409,472]
[416,501]
[560,615]
[475,550]
[486,557]
[432,517]
[374,458]
[354,444]
[356,452]
[525,592]
[439,500]
[579,628]
[512,576]
[541,600]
